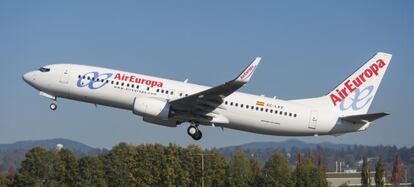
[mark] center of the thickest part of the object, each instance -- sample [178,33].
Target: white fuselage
[242,111]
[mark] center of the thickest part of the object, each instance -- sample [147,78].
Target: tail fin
[355,95]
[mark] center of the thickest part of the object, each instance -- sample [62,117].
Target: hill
[287,145]
[48,144]
[11,155]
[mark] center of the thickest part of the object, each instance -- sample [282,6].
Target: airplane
[171,103]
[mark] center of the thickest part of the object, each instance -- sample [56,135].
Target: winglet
[245,76]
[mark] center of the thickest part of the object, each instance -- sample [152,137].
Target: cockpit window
[42,69]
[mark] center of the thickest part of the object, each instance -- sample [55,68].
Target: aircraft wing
[206,101]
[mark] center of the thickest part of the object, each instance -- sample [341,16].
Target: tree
[255,169]
[299,159]
[300,173]
[4,181]
[66,168]
[117,164]
[11,174]
[36,169]
[321,166]
[365,174]
[240,172]
[309,157]
[276,172]
[396,170]
[379,173]
[215,168]
[308,175]
[91,171]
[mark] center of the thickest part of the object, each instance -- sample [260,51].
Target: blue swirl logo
[96,80]
[363,96]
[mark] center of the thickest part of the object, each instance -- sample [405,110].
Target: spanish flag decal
[260,103]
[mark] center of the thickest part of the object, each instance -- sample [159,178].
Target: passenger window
[132,86]
[158,90]
[84,77]
[117,83]
[280,112]
[102,80]
[166,91]
[162,91]
[122,84]
[285,113]
[97,79]
[127,85]
[148,88]
[261,109]
[231,103]
[89,78]
[271,111]
[172,93]
[252,107]
[257,108]
[241,105]
[186,95]
[79,76]
[236,104]
[294,115]
[247,106]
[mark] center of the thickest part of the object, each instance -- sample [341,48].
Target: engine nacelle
[151,107]
[168,123]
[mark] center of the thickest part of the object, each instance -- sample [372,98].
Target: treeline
[351,155]
[158,165]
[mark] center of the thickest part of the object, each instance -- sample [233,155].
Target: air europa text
[134,79]
[355,82]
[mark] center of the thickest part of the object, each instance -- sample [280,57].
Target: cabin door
[313,119]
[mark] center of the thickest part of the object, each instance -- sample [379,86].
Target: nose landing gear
[194,132]
[53,106]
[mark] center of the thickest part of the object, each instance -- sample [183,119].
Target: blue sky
[308,47]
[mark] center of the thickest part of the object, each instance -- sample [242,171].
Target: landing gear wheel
[53,106]
[198,135]
[192,130]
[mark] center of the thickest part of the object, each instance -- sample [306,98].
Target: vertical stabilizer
[355,95]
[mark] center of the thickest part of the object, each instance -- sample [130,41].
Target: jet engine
[152,107]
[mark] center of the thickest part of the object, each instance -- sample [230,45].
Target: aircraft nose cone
[26,77]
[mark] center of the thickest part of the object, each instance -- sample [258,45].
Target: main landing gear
[194,132]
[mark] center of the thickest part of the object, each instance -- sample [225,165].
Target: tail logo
[363,95]
[95,79]
[353,85]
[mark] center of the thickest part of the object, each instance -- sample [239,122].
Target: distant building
[348,178]
[59,147]
[352,178]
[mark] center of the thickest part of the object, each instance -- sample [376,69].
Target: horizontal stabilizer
[364,118]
